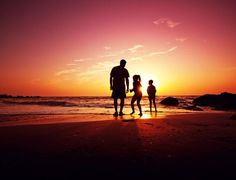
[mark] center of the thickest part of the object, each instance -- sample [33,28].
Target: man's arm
[111,83]
[127,83]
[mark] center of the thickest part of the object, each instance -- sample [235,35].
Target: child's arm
[131,90]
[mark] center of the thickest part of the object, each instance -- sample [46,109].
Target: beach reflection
[146,115]
[151,115]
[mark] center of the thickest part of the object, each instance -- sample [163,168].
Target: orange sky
[61,48]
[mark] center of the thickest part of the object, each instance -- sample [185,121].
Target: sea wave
[64,105]
[42,103]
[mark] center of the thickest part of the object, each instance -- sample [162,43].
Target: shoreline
[40,119]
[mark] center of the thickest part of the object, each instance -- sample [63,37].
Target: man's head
[122,63]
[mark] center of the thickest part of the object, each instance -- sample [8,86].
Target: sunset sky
[68,47]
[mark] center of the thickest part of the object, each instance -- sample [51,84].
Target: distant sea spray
[79,105]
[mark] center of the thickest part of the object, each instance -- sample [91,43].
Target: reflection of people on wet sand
[118,76]
[137,93]
[151,90]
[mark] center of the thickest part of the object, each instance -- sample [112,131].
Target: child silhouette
[151,90]
[137,93]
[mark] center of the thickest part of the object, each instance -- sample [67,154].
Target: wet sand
[190,146]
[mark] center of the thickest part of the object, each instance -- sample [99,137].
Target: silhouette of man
[118,77]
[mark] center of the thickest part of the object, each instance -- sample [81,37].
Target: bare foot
[121,114]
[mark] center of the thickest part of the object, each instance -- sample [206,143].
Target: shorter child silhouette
[137,93]
[151,90]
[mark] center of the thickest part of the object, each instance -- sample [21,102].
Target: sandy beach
[190,146]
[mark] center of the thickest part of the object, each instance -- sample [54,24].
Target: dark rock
[223,101]
[170,101]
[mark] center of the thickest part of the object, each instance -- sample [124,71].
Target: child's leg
[154,102]
[150,102]
[132,104]
[139,106]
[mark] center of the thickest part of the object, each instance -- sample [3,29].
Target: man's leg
[122,101]
[115,106]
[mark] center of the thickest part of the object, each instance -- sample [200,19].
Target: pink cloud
[170,23]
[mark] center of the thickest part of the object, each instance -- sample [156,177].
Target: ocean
[95,105]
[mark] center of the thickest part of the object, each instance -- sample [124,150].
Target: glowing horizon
[67,48]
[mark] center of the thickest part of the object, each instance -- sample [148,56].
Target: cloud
[121,52]
[181,39]
[160,21]
[67,71]
[104,67]
[138,58]
[107,47]
[96,70]
[141,58]
[135,48]
[172,24]
[162,52]
[79,60]
[108,55]
[89,73]
[105,64]
[168,22]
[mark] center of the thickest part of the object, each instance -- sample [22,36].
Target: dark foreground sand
[190,146]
